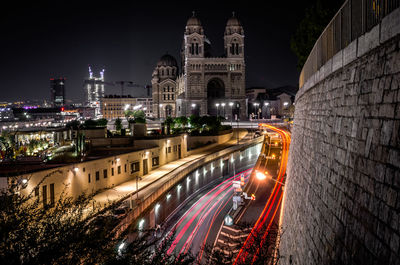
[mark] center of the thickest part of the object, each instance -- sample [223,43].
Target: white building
[94,91]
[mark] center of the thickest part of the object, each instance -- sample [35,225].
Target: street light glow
[217,105]
[260,176]
[168,196]
[231,104]
[141,223]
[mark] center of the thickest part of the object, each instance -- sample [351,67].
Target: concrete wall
[342,199]
[196,141]
[169,147]
[73,179]
[116,141]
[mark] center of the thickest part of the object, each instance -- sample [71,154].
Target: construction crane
[131,84]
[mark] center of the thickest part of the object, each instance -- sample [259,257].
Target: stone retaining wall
[342,201]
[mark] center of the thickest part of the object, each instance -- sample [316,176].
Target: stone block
[386,132]
[350,53]
[368,41]
[337,61]
[387,110]
[390,26]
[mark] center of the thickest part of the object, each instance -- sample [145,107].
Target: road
[266,183]
[199,201]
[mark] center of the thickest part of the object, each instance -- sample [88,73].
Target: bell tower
[234,38]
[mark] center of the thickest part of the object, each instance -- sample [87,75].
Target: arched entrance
[215,95]
[168,111]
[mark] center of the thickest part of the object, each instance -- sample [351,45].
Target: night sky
[40,40]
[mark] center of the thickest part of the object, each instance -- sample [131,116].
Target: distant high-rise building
[57,90]
[94,90]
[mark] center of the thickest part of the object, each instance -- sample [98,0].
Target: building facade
[94,91]
[57,91]
[114,106]
[205,85]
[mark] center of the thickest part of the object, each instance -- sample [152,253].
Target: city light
[157,207]
[76,169]
[24,181]
[179,187]
[168,196]
[141,223]
[231,104]
[260,176]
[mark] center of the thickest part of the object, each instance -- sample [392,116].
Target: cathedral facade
[203,84]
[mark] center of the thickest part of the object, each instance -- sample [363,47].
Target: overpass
[342,195]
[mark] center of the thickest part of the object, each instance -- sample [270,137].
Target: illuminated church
[202,84]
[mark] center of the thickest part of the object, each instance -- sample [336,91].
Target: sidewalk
[129,187]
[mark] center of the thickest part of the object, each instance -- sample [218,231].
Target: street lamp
[193,107]
[159,111]
[223,109]
[217,105]
[262,176]
[231,104]
[266,104]
[256,108]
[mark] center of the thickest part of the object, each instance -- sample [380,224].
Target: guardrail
[353,19]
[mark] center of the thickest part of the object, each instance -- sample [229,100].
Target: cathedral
[202,84]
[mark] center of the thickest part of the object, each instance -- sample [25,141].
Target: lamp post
[217,105]
[159,110]
[231,104]
[193,107]
[266,104]
[223,109]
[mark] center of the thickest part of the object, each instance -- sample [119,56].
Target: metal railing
[353,19]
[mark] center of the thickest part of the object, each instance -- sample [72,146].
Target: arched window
[167,71]
[237,48]
[197,48]
[192,48]
[162,72]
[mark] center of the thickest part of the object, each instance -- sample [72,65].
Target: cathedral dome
[233,21]
[193,21]
[167,60]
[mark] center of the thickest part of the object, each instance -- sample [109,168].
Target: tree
[102,122]
[118,124]
[195,122]
[90,123]
[73,125]
[169,122]
[70,232]
[128,114]
[139,114]
[181,121]
[317,17]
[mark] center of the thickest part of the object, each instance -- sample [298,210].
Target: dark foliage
[70,232]
[316,18]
